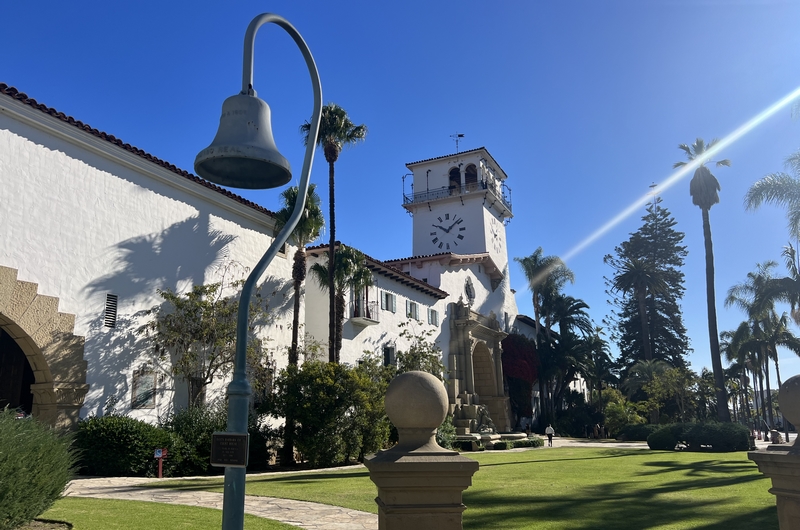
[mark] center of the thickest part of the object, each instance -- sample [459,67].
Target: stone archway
[54,352]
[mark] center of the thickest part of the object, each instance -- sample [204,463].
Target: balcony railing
[364,313]
[453,191]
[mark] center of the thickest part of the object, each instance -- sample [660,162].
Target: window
[455,178]
[389,357]
[388,302]
[110,316]
[144,389]
[433,317]
[412,310]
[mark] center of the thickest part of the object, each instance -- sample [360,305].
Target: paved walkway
[297,513]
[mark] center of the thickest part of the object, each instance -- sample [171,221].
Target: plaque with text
[229,449]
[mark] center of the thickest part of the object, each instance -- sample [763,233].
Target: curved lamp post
[243,155]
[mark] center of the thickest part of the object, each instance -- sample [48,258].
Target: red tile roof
[381,267]
[13,93]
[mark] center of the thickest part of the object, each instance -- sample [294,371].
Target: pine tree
[658,243]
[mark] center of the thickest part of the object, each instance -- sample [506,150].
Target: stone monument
[419,483]
[781,462]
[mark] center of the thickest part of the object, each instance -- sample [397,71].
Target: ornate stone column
[781,462]
[419,483]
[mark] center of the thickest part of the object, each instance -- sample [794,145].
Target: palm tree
[704,189]
[780,189]
[350,272]
[599,364]
[306,231]
[545,275]
[640,277]
[336,130]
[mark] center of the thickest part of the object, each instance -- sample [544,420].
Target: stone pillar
[781,462]
[419,482]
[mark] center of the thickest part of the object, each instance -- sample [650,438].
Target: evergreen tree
[660,245]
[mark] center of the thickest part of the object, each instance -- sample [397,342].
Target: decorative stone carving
[53,351]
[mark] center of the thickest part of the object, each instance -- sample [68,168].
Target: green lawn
[573,489]
[108,514]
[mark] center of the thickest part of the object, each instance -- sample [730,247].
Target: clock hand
[446,230]
[454,224]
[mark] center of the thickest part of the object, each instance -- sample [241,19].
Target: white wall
[357,339]
[83,218]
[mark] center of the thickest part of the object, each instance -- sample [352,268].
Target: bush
[637,433]
[666,438]
[446,433]
[35,466]
[119,446]
[717,437]
[500,446]
[318,396]
[534,441]
[194,426]
[712,436]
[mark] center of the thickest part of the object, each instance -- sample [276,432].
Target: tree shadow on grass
[628,505]
[611,453]
[288,478]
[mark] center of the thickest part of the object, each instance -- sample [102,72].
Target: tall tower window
[455,178]
[471,177]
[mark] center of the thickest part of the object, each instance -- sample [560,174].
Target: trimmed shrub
[500,446]
[637,433]
[711,436]
[534,441]
[717,437]
[666,438]
[194,426]
[119,446]
[35,466]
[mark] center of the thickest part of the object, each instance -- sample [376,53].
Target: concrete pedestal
[781,463]
[419,483]
[783,467]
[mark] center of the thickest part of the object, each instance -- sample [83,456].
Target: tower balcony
[472,188]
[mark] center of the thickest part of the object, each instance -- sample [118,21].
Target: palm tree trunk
[723,413]
[770,416]
[331,255]
[761,399]
[298,275]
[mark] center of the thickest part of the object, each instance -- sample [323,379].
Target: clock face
[448,231]
[497,243]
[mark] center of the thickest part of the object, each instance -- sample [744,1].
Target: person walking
[549,431]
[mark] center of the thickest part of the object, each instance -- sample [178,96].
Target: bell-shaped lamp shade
[243,153]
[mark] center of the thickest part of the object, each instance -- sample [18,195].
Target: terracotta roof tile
[22,97]
[392,272]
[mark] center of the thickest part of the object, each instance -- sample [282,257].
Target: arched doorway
[16,376]
[483,368]
[54,354]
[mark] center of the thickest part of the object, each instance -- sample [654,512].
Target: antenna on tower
[457,136]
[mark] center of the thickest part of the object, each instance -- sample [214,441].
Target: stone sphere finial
[416,403]
[789,400]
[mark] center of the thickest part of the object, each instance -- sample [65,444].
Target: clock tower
[460,205]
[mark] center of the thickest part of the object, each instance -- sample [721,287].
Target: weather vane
[457,136]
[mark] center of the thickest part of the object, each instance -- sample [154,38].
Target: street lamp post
[243,154]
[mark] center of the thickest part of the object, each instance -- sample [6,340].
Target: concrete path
[297,513]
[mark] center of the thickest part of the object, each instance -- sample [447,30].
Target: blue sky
[583,104]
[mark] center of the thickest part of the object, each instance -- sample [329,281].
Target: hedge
[711,436]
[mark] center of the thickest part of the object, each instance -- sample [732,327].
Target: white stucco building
[93,227]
